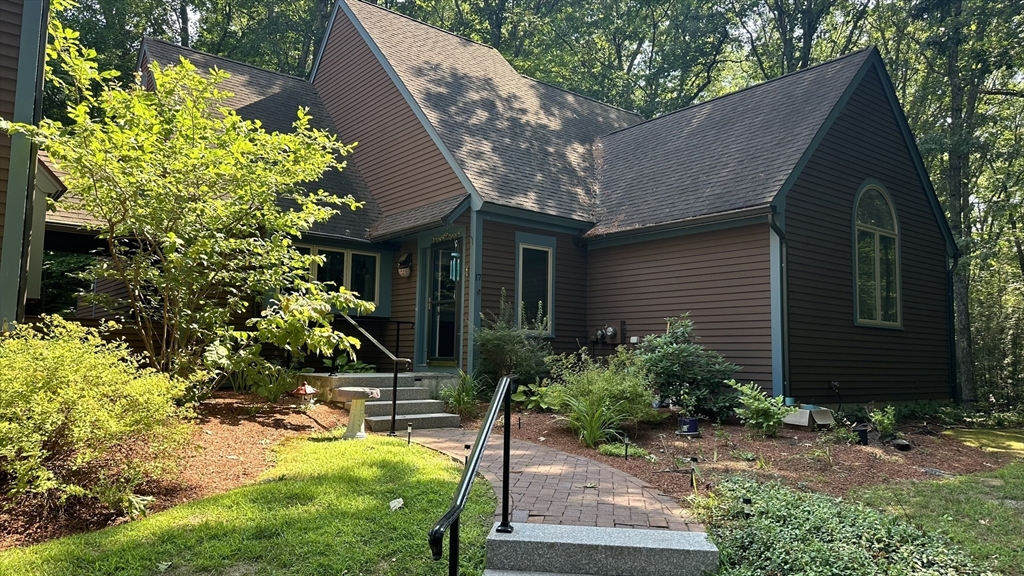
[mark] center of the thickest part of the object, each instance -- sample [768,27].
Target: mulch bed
[796,457]
[233,445]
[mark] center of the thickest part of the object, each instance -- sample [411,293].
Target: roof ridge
[584,96]
[747,88]
[226,59]
[428,25]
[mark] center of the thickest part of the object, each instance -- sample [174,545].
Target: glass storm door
[443,302]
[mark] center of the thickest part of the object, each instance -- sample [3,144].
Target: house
[25,178]
[793,220]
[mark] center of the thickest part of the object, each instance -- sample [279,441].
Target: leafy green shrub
[759,411]
[884,421]
[623,382]
[679,366]
[541,397]
[463,397]
[79,417]
[509,347]
[838,434]
[272,382]
[595,419]
[619,449]
[343,364]
[810,534]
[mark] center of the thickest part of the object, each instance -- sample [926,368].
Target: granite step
[358,380]
[402,407]
[489,572]
[419,422]
[405,393]
[593,551]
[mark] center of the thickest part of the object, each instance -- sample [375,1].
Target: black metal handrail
[395,360]
[450,520]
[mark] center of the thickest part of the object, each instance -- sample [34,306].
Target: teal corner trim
[775,264]
[543,242]
[476,226]
[14,249]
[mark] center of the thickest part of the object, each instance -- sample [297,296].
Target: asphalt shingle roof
[725,154]
[274,99]
[522,143]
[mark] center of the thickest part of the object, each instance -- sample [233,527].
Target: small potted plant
[687,404]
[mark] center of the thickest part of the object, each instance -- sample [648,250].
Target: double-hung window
[876,263]
[357,271]
[535,283]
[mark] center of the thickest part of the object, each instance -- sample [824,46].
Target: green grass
[1008,441]
[322,510]
[984,513]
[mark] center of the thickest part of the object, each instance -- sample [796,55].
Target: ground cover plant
[80,418]
[792,532]
[324,509]
[980,512]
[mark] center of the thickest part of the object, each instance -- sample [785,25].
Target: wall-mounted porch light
[405,265]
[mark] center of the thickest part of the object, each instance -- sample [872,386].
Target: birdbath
[357,412]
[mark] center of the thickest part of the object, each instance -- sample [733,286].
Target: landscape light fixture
[408,439]
[748,507]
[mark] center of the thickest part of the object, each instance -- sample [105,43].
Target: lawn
[324,509]
[984,513]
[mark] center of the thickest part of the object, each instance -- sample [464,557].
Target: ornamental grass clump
[80,417]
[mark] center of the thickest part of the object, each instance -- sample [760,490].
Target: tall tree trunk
[960,204]
[183,19]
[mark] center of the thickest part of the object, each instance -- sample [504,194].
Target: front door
[443,302]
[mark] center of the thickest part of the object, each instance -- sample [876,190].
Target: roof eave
[707,222]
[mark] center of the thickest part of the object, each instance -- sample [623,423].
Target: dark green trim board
[21,177]
[779,236]
[720,221]
[528,219]
[779,202]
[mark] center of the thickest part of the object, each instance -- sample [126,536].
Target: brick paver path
[552,487]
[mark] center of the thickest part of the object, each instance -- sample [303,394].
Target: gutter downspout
[784,249]
[954,389]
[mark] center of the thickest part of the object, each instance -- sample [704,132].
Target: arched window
[877,266]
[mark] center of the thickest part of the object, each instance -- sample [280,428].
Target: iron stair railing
[450,520]
[395,360]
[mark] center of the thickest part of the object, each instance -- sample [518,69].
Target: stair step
[405,393]
[402,407]
[358,380]
[489,572]
[419,422]
[600,551]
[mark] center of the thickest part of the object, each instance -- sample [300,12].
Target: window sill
[882,326]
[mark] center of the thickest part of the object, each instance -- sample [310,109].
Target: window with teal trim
[536,286]
[877,259]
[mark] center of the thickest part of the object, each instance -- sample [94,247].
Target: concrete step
[541,548]
[320,380]
[405,393]
[419,422]
[489,572]
[402,407]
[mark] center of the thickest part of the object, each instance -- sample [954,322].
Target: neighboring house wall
[722,278]
[570,271]
[10,37]
[824,344]
[400,163]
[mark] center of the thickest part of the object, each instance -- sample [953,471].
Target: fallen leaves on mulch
[233,445]
[796,457]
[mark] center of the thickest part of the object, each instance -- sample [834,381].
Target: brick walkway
[552,487]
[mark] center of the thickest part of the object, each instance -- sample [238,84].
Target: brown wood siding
[400,163]
[722,278]
[10,38]
[869,363]
[403,306]
[498,271]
